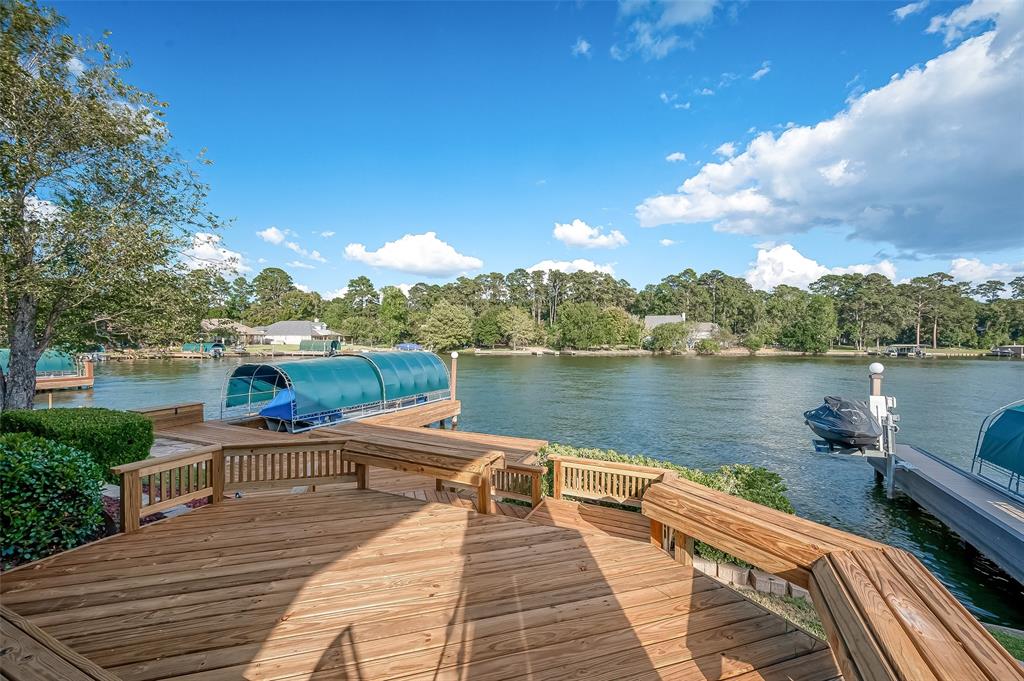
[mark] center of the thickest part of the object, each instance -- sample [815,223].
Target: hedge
[752,483]
[51,498]
[110,437]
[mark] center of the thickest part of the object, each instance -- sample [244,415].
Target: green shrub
[110,437]
[753,343]
[51,498]
[752,483]
[707,347]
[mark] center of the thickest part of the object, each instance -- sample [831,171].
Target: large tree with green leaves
[96,207]
[447,327]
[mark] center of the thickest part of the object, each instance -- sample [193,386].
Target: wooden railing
[886,616]
[609,481]
[154,485]
[520,481]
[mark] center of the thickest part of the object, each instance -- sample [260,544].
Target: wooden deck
[590,518]
[367,585]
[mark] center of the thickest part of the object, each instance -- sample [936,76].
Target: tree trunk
[935,333]
[918,329]
[19,386]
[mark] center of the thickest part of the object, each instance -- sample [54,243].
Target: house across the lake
[655,320]
[293,332]
[698,330]
[229,329]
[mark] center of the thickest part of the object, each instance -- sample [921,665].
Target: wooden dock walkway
[590,518]
[986,518]
[366,585]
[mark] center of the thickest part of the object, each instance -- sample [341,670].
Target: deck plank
[364,584]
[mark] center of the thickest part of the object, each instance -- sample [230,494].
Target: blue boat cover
[50,362]
[1004,441]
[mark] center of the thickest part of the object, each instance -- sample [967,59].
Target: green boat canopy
[50,362]
[202,347]
[319,345]
[1002,443]
[312,392]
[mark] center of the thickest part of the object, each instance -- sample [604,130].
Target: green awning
[50,362]
[1003,445]
[331,384]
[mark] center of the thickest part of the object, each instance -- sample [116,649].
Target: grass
[1013,644]
[796,610]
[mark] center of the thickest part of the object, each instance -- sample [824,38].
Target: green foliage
[51,498]
[753,343]
[670,337]
[752,483]
[100,257]
[487,328]
[814,328]
[586,325]
[707,346]
[517,326]
[1013,644]
[109,437]
[448,327]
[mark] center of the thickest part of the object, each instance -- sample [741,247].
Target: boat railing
[885,615]
[604,481]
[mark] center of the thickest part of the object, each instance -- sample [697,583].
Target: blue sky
[486,125]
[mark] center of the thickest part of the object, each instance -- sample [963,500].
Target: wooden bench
[465,463]
[172,415]
[27,653]
[886,616]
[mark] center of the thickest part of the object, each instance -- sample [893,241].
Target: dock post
[455,374]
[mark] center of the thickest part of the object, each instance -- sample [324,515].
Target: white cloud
[667,242]
[931,162]
[273,235]
[973,269]
[681,105]
[675,157]
[901,13]
[337,293]
[304,288]
[666,97]
[726,150]
[301,265]
[654,29]
[570,266]
[76,66]
[783,264]
[312,255]
[423,254]
[579,233]
[327,235]
[207,252]
[766,67]
[581,48]
[404,288]
[704,92]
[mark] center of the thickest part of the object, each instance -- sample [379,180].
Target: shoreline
[952,353]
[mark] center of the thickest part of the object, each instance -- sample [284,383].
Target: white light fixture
[876,368]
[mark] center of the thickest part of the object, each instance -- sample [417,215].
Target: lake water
[702,413]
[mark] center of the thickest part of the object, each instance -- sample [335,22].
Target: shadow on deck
[359,584]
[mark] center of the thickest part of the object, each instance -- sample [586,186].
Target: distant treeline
[591,309]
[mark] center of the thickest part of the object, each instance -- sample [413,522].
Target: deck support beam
[657,534]
[683,548]
[483,494]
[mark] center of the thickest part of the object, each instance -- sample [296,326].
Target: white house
[294,332]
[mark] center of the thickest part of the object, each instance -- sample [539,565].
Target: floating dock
[990,520]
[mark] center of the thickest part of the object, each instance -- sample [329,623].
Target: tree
[671,337]
[1017,288]
[447,327]
[814,329]
[487,327]
[239,298]
[580,327]
[517,326]
[394,315]
[362,297]
[96,208]
[270,284]
[990,291]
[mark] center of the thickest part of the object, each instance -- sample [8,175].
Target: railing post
[556,491]
[657,534]
[535,489]
[131,501]
[362,476]
[217,472]
[684,548]
[483,492]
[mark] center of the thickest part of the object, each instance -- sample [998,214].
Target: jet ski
[844,423]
